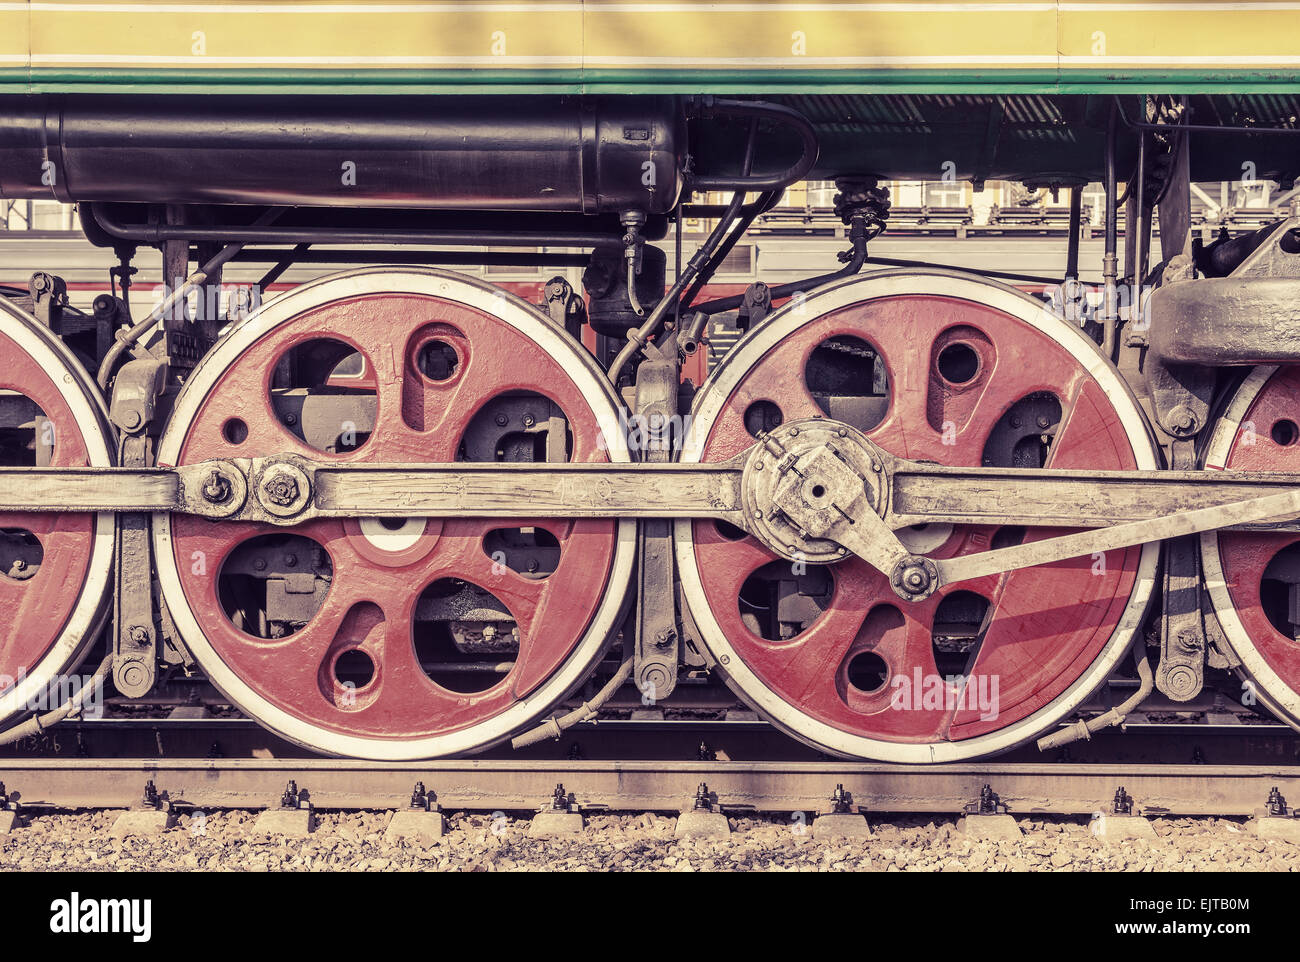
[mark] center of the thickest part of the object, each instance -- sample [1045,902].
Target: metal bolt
[1123,802]
[702,798]
[1043,422]
[1182,420]
[529,420]
[139,634]
[260,564]
[1180,680]
[653,679]
[502,420]
[989,801]
[841,801]
[133,675]
[559,799]
[419,797]
[1276,802]
[291,560]
[280,489]
[216,489]
[131,420]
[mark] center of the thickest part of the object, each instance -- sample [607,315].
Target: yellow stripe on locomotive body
[612,45]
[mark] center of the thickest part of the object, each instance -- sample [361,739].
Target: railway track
[627,765]
[652,786]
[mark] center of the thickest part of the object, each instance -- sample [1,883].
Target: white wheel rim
[763,338]
[590,380]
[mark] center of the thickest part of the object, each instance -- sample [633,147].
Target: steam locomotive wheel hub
[394,638]
[930,366]
[54,568]
[1253,577]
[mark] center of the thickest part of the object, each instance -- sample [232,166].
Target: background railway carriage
[416,147]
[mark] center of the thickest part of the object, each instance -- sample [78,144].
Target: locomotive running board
[811,491]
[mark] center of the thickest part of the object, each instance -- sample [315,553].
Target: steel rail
[522,785]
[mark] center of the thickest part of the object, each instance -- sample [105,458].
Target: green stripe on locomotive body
[263,81]
[638,46]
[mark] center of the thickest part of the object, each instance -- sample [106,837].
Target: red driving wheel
[406,638]
[940,368]
[54,568]
[1253,577]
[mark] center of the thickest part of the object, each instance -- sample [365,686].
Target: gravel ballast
[354,841]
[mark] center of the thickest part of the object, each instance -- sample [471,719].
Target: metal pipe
[358,256]
[637,338]
[1083,730]
[1001,275]
[555,727]
[761,110]
[1139,239]
[690,337]
[857,258]
[124,340]
[1109,261]
[1076,224]
[256,234]
[576,154]
[38,723]
[283,264]
[1201,128]
[677,260]
[717,210]
[743,222]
